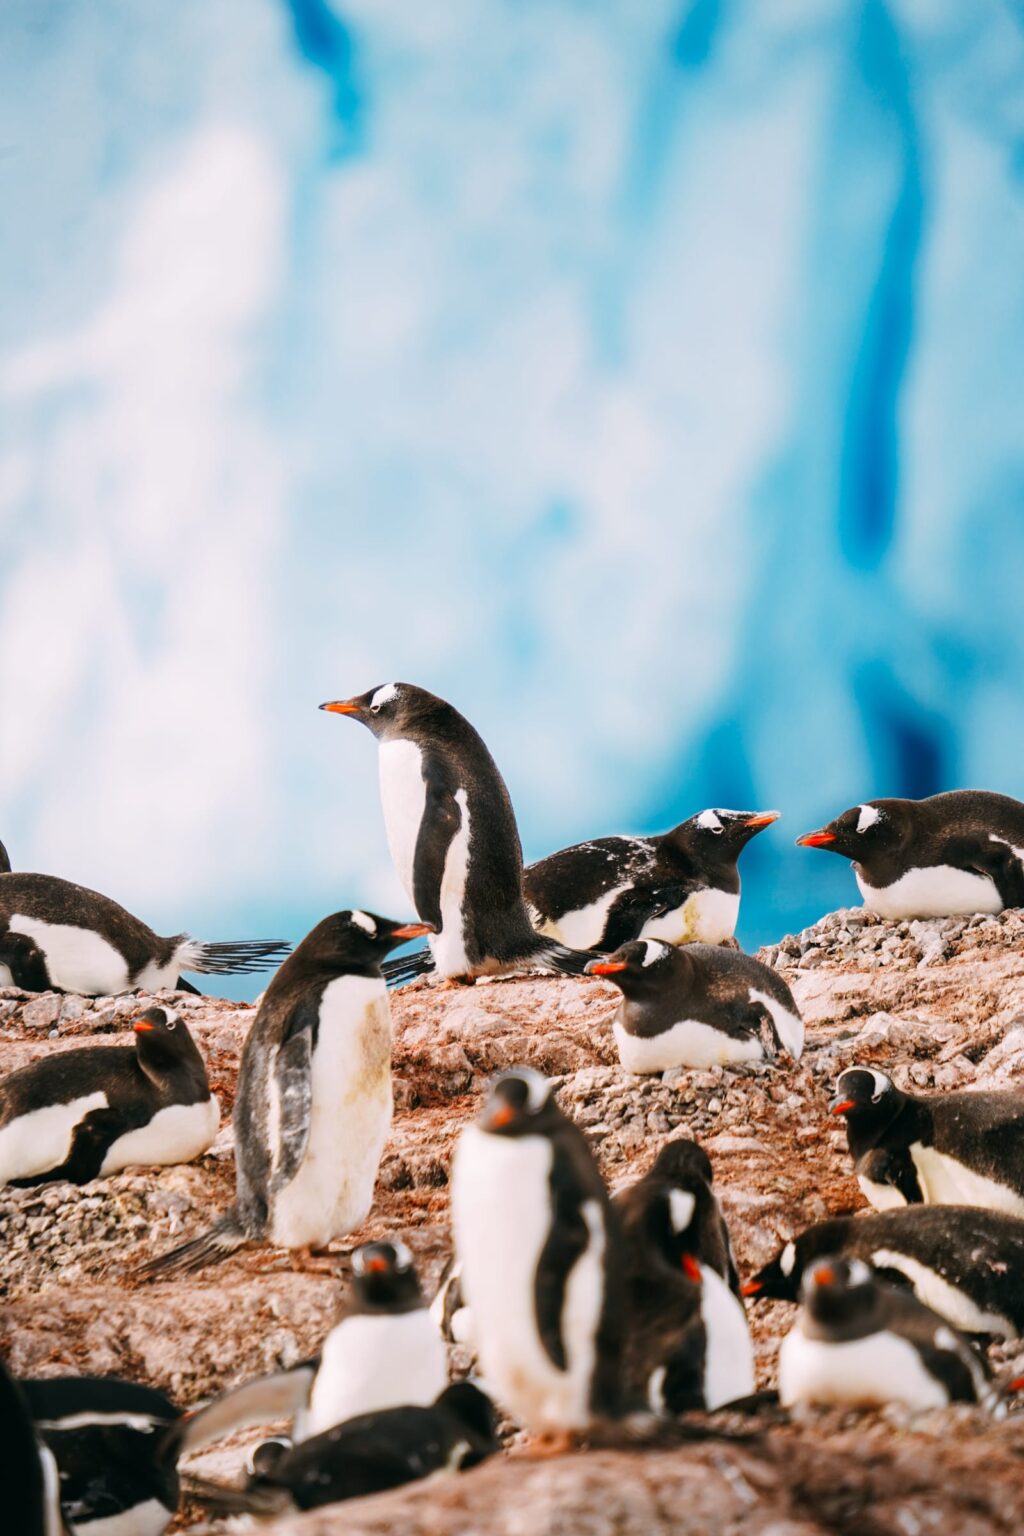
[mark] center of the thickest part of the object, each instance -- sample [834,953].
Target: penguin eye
[375,709]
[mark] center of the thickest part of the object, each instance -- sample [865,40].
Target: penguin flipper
[441,819]
[997,861]
[639,906]
[566,1242]
[220,1240]
[293,1070]
[896,1168]
[682,1386]
[93,1136]
[278,1395]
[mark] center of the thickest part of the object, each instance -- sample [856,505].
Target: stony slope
[941,1003]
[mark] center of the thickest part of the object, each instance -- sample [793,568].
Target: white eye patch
[366,923]
[709,821]
[787,1258]
[859,1272]
[867,818]
[403,1258]
[384,695]
[881,1083]
[653,951]
[681,1206]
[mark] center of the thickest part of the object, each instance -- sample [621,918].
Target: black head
[719,836]
[25,961]
[163,1043]
[839,1293]
[520,1103]
[780,1279]
[384,1277]
[865,1097]
[865,832]
[351,940]
[391,710]
[473,1409]
[682,1163]
[5,863]
[642,967]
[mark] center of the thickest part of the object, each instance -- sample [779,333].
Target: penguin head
[390,710]
[163,1042]
[25,961]
[519,1103]
[5,863]
[717,835]
[865,1097]
[865,831]
[476,1413]
[780,1280]
[682,1163]
[838,1293]
[640,967]
[384,1277]
[353,940]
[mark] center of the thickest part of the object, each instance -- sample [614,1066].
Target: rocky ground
[941,1004]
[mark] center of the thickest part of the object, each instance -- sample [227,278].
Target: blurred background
[646,378]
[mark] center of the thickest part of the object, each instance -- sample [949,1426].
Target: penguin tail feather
[209,1247]
[408,967]
[560,960]
[234,957]
[223,1499]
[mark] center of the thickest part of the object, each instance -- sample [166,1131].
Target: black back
[59,901]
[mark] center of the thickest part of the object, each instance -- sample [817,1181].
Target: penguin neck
[381,1294]
[716,859]
[909,1121]
[839,1314]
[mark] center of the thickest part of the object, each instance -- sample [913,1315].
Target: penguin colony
[582,1306]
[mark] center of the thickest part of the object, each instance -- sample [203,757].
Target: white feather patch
[867,818]
[955,1305]
[788,1026]
[709,821]
[366,923]
[681,1206]
[40,1140]
[384,695]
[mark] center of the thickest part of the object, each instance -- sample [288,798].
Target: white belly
[583,928]
[177,1134]
[937,891]
[41,1140]
[944,1181]
[349,1119]
[147,1519]
[861,1373]
[729,1353]
[154,978]
[77,959]
[6,979]
[705,917]
[373,1362]
[952,1304]
[687,1044]
[884,1197]
[449,946]
[403,796]
[789,1026]
[501,1211]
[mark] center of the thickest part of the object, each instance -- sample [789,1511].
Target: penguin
[89,1112]
[950,855]
[448,1310]
[383,1352]
[5,863]
[365,1455]
[314,1102]
[962,1148]
[965,1263]
[23,964]
[538,1242]
[28,1472]
[860,1343]
[453,837]
[92,946]
[688,1343]
[697,1006]
[115,1448]
[682,887]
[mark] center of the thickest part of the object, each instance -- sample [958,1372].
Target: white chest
[403,796]
[944,1181]
[936,891]
[705,917]
[371,1362]
[689,1043]
[177,1134]
[77,959]
[884,1197]
[41,1140]
[945,1299]
[861,1373]
[449,946]
[729,1353]
[349,1117]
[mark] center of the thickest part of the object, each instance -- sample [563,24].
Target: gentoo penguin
[314,1095]
[453,837]
[365,1455]
[697,1006]
[682,887]
[92,946]
[860,1343]
[540,1251]
[109,1438]
[962,1148]
[947,856]
[31,1491]
[688,1344]
[89,1112]
[965,1263]
[5,863]
[383,1352]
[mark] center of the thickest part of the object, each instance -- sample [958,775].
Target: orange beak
[343,707]
[1016,1385]
[412,930]
[376,1266]
[143,1027]
[606,967]
[763,819]
[752,1287]
[843,1107]
[691,1269]
[825,1276]
[503,1115]
[815,839]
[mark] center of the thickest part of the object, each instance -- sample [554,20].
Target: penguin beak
[343,707]
[816,839]
[500,1116]
[412,930]
[143,1027]
[825,1276]
[752,1287]
[691,1268]
[376,1266]
[605,967]
[841,1106]
[761,819]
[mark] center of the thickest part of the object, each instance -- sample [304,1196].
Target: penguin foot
[553,1443]
[314,1261]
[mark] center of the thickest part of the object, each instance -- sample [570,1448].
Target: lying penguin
[697,1006]
[963,1148]
[688,1344]
[949,855]
[860,1343]
[85,1113]
[965,1263]
[682,887]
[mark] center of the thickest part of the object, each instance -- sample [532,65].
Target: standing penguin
[314,1095]
[453,837]
[862,1344]
[948,856]
[92,946]
[682,887]
[965,1263]
[89,1112]
[537,1239]
[947,1149]
[688,1343]
[697,1006]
